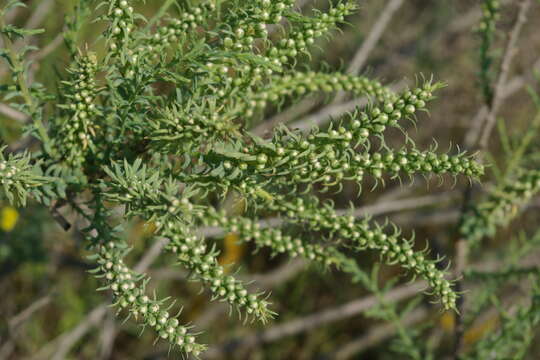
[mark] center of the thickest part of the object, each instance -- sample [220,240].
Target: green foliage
[388,311]
[21,178]
[501,206]
[518,182]
[515,335]
[518,322]
[156,126]
[516,186]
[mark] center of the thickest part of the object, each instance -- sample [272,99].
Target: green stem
[18,67]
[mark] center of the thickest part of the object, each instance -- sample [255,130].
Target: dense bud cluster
[415,161]
[121,15]
[490,15]
[273,238]
[181,130]
[328,157]
[300,83]
[170,214]
[250,24]
[178,28]
[139,193]
[360,235]
[304,31]
[192,253]
[76,126]
[503,205]
[128,288]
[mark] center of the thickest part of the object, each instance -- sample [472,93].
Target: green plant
[156,125]
[487,32]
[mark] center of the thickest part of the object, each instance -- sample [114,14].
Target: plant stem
[25,93]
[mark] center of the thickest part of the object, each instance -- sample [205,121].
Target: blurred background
[49,307]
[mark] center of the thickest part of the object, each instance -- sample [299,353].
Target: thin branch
[361,56]
[378,334]
[279,275]
[324,317]
[264,280]
[151,255]
[61,346]
[11,113]
[39,15]
[108,335]
[24,315]
[50,48]
[513,86]
[18,320]
[508,57]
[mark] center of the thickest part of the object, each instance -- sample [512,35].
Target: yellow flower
[8,218]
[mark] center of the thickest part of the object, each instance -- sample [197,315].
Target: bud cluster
[121,15]
[360,235]
[77,124]
[300,83]
[230,77]
[178,28]
[328,157]
[270,237]
[304,31]
[146,199]
[192,253]
[490,15]
[128,289]
[145,194]
[414,161]
[486,29]
[250,23]
[181,130]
